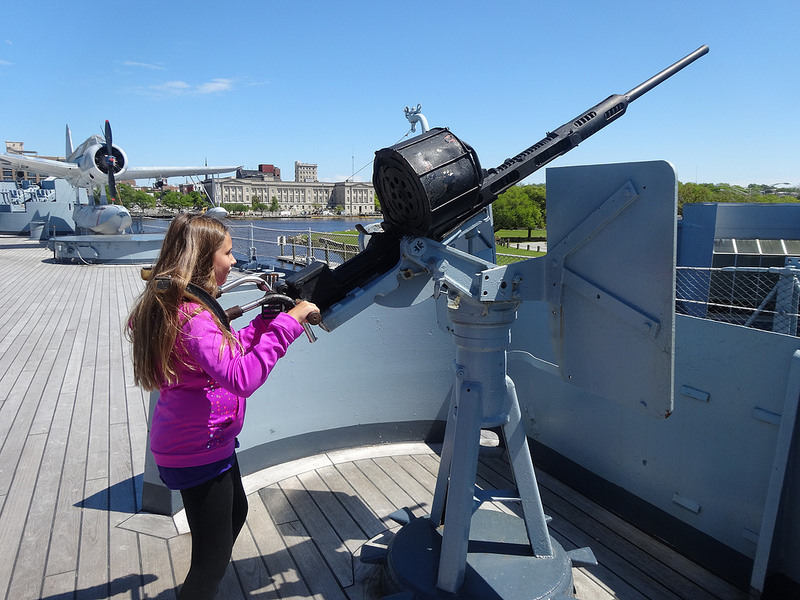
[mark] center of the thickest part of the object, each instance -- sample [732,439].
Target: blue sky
[245,83]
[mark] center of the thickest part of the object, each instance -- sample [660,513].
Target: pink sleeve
[240,370]
[250,332]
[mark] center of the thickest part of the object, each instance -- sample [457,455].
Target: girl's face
[224,260]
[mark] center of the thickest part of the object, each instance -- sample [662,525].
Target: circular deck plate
[500,562]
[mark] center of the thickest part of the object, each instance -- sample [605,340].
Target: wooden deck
[72,443]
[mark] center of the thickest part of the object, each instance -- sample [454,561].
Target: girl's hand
[302,310]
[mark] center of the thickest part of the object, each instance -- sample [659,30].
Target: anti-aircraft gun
[432,190]
[432,183]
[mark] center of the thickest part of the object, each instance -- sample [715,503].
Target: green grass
[518,251]
[515,235]
[520,234]
[503,233]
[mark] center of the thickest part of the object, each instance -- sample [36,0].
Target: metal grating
[761,297]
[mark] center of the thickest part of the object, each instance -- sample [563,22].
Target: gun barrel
[666,73]
[570,134]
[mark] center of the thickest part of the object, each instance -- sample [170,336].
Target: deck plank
[312,566]
[279,507]
[50,370]
[158,578]
[283,571]
[15,511]
[369,523]
[324,537]
[370,494]
[77,391]
[59,587]
[250,569]
[396,495]
[93,559]
[97,457]
[341,522]
[124,569]
[421,496]
[177,553]
[43,504]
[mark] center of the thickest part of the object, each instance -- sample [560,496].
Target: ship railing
[289,248]
[766,298]
[293,248]
[507,259]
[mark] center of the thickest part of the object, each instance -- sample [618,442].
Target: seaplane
[96,164]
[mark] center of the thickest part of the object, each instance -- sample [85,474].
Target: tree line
[723,192]
[525,207]
[136,198]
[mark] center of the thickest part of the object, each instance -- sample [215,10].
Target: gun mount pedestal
[461,548]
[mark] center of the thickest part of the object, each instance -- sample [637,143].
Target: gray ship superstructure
[41,210]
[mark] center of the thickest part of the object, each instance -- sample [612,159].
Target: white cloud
[176,88]
[215,85]
[133,63]
[172,87]
[4,62]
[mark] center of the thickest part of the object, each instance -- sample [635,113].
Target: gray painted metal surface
[611,229]
[134,248]
[48,207]
[709,464]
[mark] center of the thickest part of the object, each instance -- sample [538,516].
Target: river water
[268,239]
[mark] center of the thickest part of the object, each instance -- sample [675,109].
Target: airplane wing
[164,172]
[42,166]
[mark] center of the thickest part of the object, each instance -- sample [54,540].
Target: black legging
[216,511]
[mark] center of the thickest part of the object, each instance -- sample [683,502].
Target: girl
[203,372]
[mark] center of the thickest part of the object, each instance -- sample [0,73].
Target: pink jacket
[197,419]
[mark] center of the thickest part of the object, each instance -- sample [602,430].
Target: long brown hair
[187,256]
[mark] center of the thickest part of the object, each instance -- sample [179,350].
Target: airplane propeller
[110,163]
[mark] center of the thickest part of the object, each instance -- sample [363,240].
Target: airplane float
[97,163]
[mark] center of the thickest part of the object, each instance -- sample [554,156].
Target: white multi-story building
[305,172]
[304,196]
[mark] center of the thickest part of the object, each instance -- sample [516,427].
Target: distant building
[305,173]
[304,196]
[270,170]
[264,173]
[9,174]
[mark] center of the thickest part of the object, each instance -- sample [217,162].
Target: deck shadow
[121,497]
[128,583]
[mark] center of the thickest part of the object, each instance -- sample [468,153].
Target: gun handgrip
[234,312]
